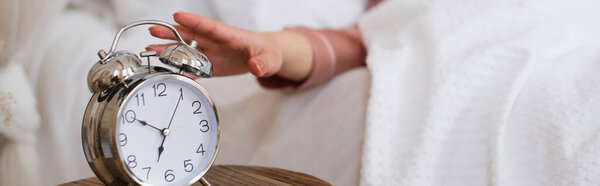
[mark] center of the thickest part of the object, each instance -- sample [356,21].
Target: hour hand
[146,124]
[160,150]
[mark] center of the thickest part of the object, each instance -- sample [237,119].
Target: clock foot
[204,182]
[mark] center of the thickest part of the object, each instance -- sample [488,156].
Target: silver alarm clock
[149,125]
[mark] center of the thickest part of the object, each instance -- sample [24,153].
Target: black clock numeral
[161,91]
[131,163]
[169,176]
[197,111]
[137,98]
[201,149]
[122,139]
[129,116]
[188,164]
[204,126]
[148,172]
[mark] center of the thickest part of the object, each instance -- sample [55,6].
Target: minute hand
[177,105]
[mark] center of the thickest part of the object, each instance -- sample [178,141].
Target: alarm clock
[150,125]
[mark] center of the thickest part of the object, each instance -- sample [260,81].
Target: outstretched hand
[234,50]
[231,50]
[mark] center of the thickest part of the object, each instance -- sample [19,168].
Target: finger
[267,63]
[205,26]
[161,32]
[165,33]
[159,48]
[187,35]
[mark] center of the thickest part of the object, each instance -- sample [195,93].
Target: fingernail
[152,28]
[259,67]
[180,12]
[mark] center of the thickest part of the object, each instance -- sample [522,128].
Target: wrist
[297,54]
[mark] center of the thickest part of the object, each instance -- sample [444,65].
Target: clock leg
[204,182]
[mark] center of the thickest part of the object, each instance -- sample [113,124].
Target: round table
[239,175]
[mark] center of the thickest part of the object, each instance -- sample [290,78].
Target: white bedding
[318,131]
[483,93]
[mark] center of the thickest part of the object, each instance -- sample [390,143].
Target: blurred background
[47,48]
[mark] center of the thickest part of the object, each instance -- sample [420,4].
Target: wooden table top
[239,175]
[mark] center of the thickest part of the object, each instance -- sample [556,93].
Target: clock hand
[146,124]
[165,131]
[177,105]
[161,148]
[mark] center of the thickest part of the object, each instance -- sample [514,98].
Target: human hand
[231,50]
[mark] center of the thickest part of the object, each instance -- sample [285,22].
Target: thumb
[265,64]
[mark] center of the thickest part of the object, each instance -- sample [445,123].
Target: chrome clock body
[114,80]
[99,130]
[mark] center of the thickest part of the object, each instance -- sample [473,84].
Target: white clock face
[167,132]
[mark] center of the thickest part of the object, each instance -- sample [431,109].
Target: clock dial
[167,132]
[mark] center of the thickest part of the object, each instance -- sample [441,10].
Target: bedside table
[238,175]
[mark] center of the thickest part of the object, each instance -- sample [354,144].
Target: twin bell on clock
[150,125]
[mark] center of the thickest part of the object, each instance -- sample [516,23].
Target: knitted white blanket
[483,93]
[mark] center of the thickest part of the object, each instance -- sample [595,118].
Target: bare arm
[295,57]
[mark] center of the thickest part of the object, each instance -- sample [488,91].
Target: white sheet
[483,93]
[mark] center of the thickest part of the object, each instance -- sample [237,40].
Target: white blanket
[483,93]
